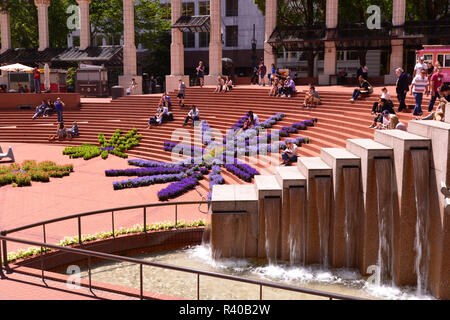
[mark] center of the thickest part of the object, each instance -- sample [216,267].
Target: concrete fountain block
[405,210]
[313,169]
[346,201]
[223,198]
[293,218]
[247,200]
[369,150]
[439,239]
[269,194]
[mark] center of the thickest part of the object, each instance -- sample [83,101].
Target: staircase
[339,120]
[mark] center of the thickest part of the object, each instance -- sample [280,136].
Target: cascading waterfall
[383,174]
[323,197]
[297,227]
[421,166]
[272,226]
[351,191]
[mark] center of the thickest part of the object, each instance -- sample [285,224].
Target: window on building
[203,38]
[231,36]
[188,9]
[352,55]
[340,55]
[231,8]
[428,57]
[189,39]
[444,60]
[203,8]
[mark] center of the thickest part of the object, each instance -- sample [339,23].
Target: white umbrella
[46,77]
[17,67]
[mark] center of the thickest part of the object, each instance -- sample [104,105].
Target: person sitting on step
[439,114]
[312,98]
[73,132]
[381,107]
[291,89]
[282,89]
[49,109]
[252,120]
[364,89]
[228,85]
[220,84]
[161,113]
[384,95]
[40,109]
[274,89]
[395,123]
[61,133]
[194,115]
[290,155]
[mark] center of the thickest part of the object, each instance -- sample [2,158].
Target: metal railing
[110,257]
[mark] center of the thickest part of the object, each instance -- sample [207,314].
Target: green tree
[24,23]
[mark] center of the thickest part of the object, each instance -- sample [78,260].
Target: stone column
[85,26]
[329,62]
[176,52]
[42,7]
[271,23]
[398,20]
[215,43]
[5,29]
[129,49]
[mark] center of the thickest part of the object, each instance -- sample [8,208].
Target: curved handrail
[90,213]
[111,257]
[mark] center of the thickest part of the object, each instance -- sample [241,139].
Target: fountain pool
[183,285]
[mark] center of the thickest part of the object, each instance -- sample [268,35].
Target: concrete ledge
[289,177]
[311,167]
[390,138]
[223,198]
[13,100]
[267,186]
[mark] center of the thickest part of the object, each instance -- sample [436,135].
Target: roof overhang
[193,23]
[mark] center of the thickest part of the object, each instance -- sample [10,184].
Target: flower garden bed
[116,146]
[74,241]
[21,175]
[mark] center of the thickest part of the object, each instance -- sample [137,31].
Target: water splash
[323,195]
[421,165]
[305,276]
[383,174]
[351,191]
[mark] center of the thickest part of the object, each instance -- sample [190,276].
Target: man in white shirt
[420,65]
[194,115]
[290,155]
[420,85]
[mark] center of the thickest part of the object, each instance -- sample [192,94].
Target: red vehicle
[438,55]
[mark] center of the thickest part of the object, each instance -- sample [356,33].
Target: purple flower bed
[238,172]
[142,172]
[177,189]
[150,164]
[147,181]
[107,148]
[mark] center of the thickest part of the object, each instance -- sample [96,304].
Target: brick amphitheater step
[339,120]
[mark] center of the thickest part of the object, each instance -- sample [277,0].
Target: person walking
[37,80]
[420,86]
[59,105]
[437,80]
[181,92]
[262,73]
[201,74]
[402,88]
